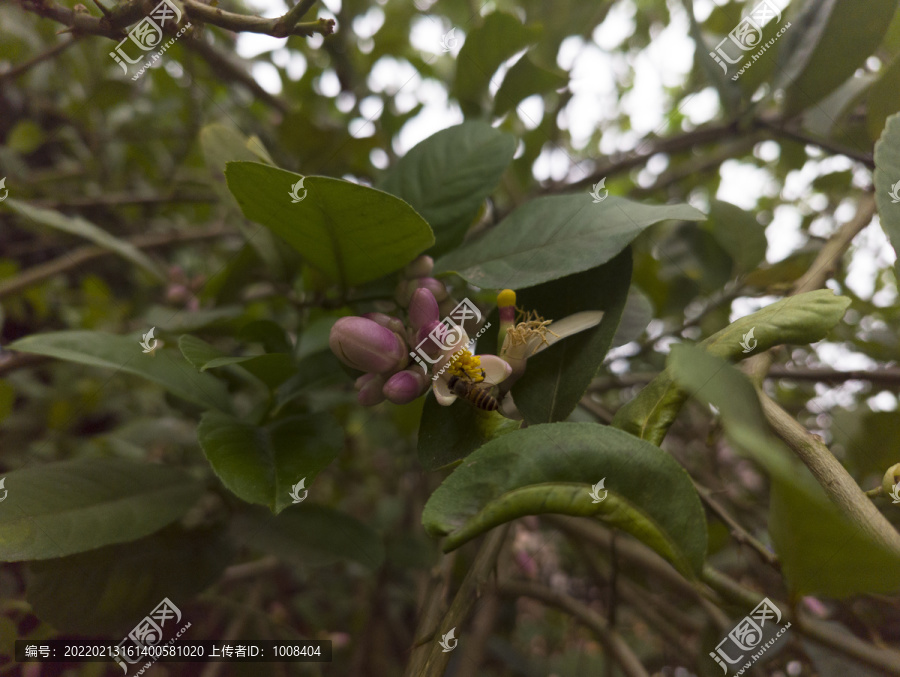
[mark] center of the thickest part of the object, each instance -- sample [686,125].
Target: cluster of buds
[379,345]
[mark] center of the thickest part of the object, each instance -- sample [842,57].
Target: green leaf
[828,42]
[75,225]
[552,467]
[448,434]
[820,551]
[887,175]
[271,334]
[524,79]
[739,233]
[315,535]
[272,369]
[799,319]
[552,237]
[496,40]
[635,318]
[447,176]
[222,144]
[350,233]
[260,464]
[106,591]
[64,508]
[122,353]
[556,378]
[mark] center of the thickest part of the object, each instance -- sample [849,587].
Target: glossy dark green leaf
[261,464]
[448,434]
[552,468]
[109,590]
[524,79]
[827,42]
[799,319]
[556,378]
[552,237]
[447,176]
[887,177]
[486,47]
[820,551]
[124,354]
[65,508]
[315,535]
[349,232]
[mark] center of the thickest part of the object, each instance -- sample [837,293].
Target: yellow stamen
[467,365]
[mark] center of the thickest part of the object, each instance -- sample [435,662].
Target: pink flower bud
[406,386]
[423,309]
[403,292]
[392,323]
[433,285]
[369,387]
[363,344]
[420,267]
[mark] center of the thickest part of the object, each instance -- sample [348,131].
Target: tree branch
[428,659]
[86,254]
[113,25]
[16,71]
[615,645]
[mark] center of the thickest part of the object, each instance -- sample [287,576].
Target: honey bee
[479,394]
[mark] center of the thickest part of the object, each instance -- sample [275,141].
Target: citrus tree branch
[616,646]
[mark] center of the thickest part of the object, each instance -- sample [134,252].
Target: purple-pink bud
[363,344]
[420,267]
[393,323]
[403,292]
[370,387]
[430,348]
[405,386]
[433,285]
[423,309]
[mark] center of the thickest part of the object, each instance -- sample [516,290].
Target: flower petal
[563,328]
[496,369]
[442,392]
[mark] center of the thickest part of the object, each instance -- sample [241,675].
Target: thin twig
[618,649]
[740,534]
[82,255]
[16,71]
